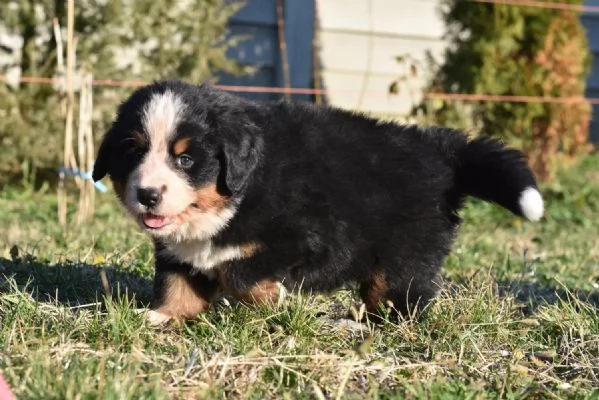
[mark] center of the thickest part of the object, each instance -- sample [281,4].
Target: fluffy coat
[297,195]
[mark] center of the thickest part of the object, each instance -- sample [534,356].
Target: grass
[516,317]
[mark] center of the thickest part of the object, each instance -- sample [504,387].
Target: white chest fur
[204,255]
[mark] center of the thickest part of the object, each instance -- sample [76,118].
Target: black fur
[335,197]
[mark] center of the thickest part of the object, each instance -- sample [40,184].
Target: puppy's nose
[149,196]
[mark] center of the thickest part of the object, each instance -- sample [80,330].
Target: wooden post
[68,156]
[283,47]
[85,146]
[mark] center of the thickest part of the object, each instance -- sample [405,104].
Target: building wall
[357,45]
[360,39]
[359,42]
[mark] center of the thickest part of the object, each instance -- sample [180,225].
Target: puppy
[251,197]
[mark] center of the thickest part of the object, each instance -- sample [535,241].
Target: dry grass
[516,317]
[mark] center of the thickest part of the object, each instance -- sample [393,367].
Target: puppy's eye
[184,161]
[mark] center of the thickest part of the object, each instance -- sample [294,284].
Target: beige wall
[359,41]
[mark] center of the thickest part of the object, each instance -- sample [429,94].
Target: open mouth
[154,221]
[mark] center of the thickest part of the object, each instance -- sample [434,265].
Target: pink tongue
[155,221]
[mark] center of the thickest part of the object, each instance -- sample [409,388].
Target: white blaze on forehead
[160,117]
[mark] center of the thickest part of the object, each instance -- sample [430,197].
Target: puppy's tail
[490,171]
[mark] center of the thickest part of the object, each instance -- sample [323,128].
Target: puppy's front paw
[154,318]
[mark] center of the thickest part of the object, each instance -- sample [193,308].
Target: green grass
[516,317]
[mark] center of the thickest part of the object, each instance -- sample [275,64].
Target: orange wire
[266,89]
[543,4]
[440,96]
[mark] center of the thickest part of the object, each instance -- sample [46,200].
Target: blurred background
[518,312]
[520,70]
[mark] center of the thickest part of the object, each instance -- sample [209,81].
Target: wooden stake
[85,147]
[68,156]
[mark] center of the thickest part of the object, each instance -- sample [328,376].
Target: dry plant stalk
[283,47]
[62,199]
[85,149]
[68,156]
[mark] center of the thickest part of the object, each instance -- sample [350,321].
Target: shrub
[501,49]
[125,40]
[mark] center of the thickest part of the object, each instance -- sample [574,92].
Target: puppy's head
[179,157]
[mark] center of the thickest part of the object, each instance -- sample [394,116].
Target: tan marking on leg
[374,290]
[183,301]
[265,291]
[181,146]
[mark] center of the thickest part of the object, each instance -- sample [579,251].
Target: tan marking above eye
[181,146]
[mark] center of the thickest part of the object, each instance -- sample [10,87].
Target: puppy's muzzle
[149,196]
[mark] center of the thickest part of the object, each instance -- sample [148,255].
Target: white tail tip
[531,204]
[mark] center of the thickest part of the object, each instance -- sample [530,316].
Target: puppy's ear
[240,152]
[102,163]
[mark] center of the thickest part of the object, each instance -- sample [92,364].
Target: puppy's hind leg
[406,291]
[254,289]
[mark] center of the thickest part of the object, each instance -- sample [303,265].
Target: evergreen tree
[501,49]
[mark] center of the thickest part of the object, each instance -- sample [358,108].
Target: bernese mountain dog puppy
[250,198]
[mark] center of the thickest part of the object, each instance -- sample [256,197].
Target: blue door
[591,23]
[256,24]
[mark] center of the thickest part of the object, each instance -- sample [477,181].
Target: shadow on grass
[71,283]
[75,283]
[529,292]
[534,294]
